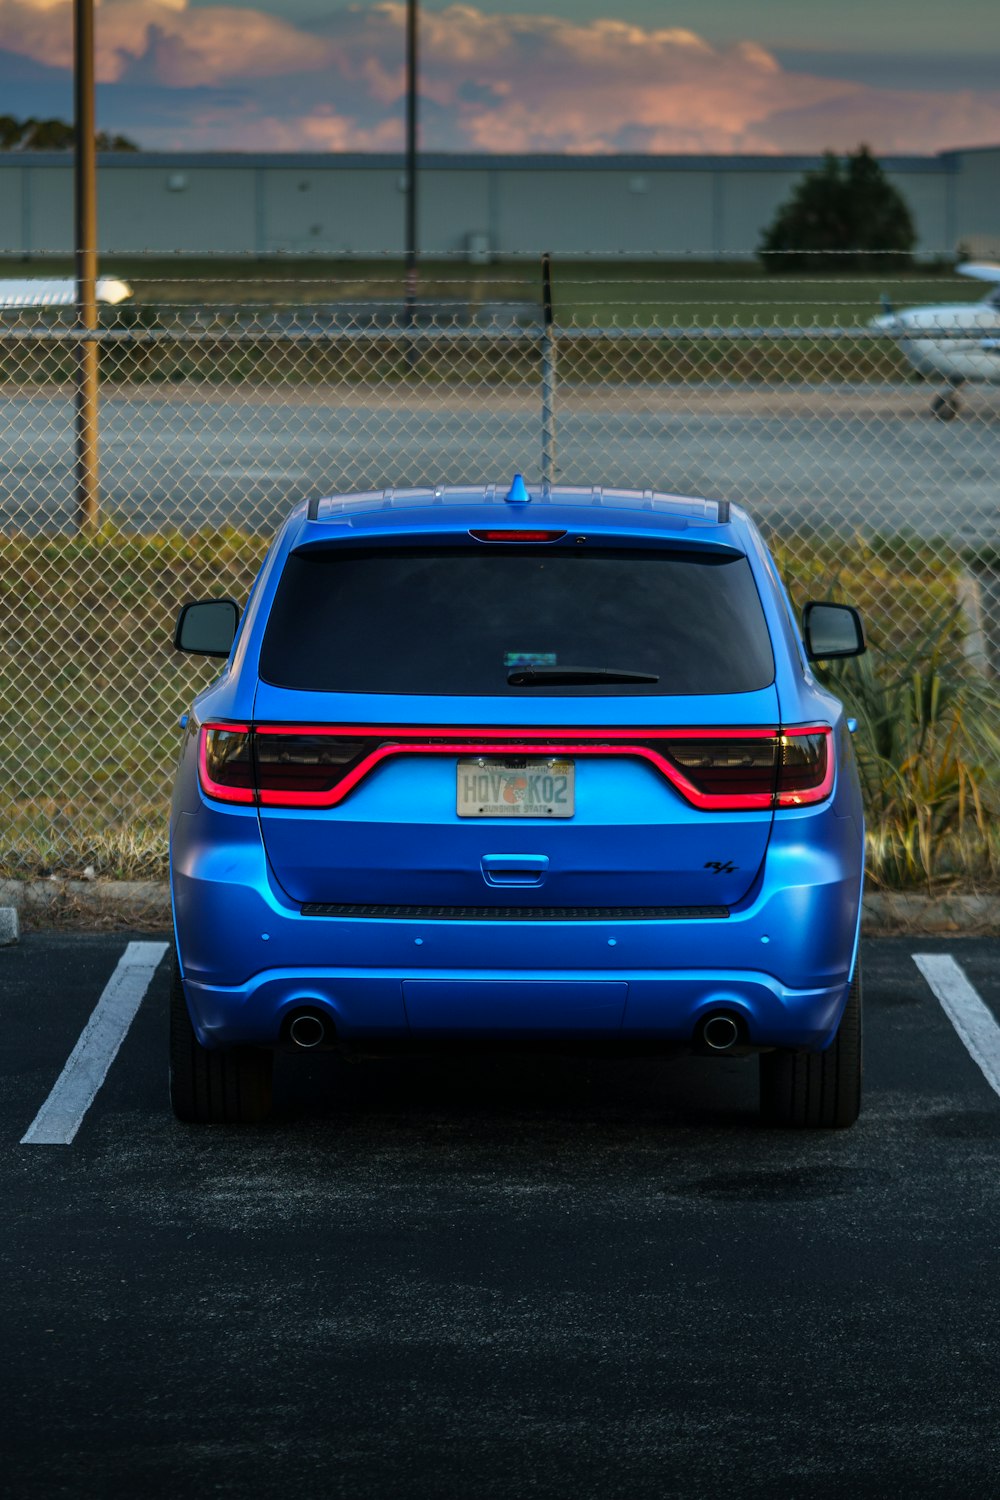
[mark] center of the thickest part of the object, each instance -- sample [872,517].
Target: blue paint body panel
[633,919]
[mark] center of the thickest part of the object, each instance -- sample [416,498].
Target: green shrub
[928,747]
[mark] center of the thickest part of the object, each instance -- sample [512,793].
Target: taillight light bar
[718,770]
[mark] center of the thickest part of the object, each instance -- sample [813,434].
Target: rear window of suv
[459,621]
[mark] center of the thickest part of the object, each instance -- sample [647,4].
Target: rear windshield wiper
[563,676]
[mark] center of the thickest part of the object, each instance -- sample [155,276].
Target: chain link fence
[222,402]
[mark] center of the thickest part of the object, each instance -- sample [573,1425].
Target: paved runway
[501,1277]
[841,457]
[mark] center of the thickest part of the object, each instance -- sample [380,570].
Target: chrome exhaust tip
[719,1033]
[307,1030]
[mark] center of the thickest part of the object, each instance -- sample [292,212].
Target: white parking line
[60,1117]
[972,1020]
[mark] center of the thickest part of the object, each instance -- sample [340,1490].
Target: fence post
[85,182]
[548,376]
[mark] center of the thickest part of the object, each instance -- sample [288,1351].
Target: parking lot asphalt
[507,1276]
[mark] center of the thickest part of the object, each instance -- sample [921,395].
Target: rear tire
[214,1086]
[945,408]
[817,1090]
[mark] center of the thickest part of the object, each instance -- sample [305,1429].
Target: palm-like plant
[928,754]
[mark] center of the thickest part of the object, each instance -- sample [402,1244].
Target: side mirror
[830,630]
[207,627]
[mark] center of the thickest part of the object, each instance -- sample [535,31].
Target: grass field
[175,298]
[588,291]
[430,358]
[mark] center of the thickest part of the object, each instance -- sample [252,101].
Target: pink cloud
[185,47]
[893,120]
[488,83]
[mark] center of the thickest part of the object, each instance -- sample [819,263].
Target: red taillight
[735,769]
[225,762]
[517,536]
[726,772]
[305,767]
[278,765]
[805,773]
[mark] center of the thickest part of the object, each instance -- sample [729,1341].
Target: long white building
[478,206]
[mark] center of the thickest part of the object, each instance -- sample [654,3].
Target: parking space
[521,1275]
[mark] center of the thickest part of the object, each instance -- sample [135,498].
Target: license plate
[516,788]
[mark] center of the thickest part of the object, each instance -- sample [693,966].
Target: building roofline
[943,161]
[969,151]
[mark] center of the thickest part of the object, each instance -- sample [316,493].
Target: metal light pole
[85,186]
[411,161]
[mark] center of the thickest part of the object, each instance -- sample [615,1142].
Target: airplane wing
[57,291]
[981,270]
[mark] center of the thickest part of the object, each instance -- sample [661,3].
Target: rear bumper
[579,1004]
[782,960]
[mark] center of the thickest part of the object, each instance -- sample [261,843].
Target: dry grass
[93,691]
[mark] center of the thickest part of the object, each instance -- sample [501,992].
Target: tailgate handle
[514,869]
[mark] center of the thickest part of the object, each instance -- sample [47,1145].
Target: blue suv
[487,767]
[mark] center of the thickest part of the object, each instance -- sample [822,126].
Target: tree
[10,132]
[848,204]
[52,135]
[107,142]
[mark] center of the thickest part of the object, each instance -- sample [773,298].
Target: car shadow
[456,1092]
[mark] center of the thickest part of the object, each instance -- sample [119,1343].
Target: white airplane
[968,348]
[56,291]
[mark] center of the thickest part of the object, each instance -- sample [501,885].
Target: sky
[692,76]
